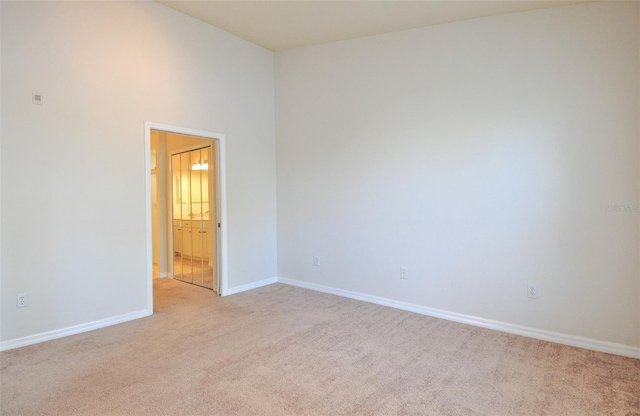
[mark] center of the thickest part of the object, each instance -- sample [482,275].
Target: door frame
[222,201]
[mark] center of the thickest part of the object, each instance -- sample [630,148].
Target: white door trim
[222,202]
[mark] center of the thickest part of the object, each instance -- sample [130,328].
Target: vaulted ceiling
[278,25]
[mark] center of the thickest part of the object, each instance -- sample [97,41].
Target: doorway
[185,182]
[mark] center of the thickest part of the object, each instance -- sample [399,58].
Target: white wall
[73,179]
[0,168]
[481,156]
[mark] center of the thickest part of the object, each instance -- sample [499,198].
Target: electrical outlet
[532,291]
[403,272]
[36,97]
[22,300]
[316,261]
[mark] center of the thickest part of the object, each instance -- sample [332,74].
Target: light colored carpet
[281,350]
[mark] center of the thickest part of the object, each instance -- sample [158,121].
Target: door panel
[195,239]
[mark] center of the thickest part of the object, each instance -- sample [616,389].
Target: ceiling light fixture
[200,166]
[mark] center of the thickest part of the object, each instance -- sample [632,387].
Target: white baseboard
[72,330]
[249,286]
[574,341]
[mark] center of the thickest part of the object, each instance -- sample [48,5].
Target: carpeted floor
[281,350]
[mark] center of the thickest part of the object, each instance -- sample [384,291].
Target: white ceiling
[278,25]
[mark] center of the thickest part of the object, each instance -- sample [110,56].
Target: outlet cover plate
[22,300]
[36,97]
[403,272]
